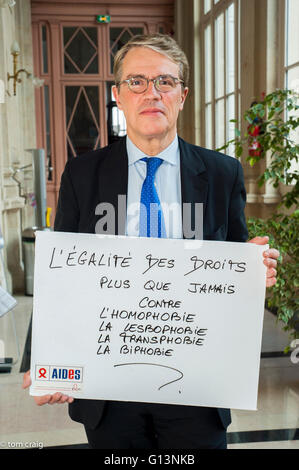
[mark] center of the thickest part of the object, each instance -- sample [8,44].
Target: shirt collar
[170,154]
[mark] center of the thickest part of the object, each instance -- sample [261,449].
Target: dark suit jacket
[207,177]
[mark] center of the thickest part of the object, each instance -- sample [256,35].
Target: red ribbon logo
[42,373]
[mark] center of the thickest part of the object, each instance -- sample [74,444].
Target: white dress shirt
[168,186]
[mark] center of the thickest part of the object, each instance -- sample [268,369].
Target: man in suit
[151,76]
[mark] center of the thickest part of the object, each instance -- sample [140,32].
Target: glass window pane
[69,67]
[208,65]
[92,93]
[92,34]
[93,65]
[82,105]
[221,101]
[293,84]
[135,31]
[230,126]
[114,34]
[45,49]
[67,33]
[208,127]
[292,79]
[71,95]
[219,56]
[118,38]
[48,132]
[292,16]
[207,6]
[116,122]
[81,50]
[230,49]
[219,123]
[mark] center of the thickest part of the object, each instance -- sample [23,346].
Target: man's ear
[183,97]
[116,96]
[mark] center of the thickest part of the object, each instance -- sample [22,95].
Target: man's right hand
[44,399]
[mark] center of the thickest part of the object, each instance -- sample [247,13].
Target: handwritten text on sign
[133,319]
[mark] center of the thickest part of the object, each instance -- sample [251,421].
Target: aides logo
[59,373]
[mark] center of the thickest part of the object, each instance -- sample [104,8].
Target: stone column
[272,195]
[186,34]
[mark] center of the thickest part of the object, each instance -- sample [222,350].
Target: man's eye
[166,81]
[137,82]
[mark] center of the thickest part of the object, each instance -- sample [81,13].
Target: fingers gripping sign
[45,399]
[270,259]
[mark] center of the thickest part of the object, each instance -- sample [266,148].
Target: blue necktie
[151,215]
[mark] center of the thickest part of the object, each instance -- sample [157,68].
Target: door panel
[116,123]
[75,110]
[119,36]
[80,50]
[82,105]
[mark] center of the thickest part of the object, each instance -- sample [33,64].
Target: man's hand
[50,399]
[270,259]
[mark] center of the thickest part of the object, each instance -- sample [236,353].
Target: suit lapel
[113,183]
[194,184]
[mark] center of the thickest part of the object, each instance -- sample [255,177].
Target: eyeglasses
[163,83]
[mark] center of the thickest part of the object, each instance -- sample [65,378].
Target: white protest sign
[150,320]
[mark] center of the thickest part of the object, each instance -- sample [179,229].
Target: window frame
[283,67]
[206,19]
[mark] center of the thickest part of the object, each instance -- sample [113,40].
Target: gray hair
[161,43]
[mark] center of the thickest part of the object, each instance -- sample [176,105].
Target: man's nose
[152,90]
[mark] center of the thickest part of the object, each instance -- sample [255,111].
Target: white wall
[17,133]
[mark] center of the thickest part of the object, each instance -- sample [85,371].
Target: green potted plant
[271,126]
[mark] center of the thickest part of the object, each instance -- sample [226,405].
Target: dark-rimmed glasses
[162,83]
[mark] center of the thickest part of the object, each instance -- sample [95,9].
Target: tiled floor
[273,426]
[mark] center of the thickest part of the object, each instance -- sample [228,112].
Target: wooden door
[75,110]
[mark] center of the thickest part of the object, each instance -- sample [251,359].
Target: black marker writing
[51,266]
[198,288]
[158,262]
[63,258]
[156,285]
[147,315]
[148,351]
[146,302]
[114,283]
[230,265]
[181,375]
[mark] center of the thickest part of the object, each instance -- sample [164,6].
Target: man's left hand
[270,259]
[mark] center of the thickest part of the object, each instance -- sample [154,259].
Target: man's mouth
[154,111]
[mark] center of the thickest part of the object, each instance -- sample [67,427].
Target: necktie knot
[152,165]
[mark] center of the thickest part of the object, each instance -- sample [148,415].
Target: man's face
[151,114]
